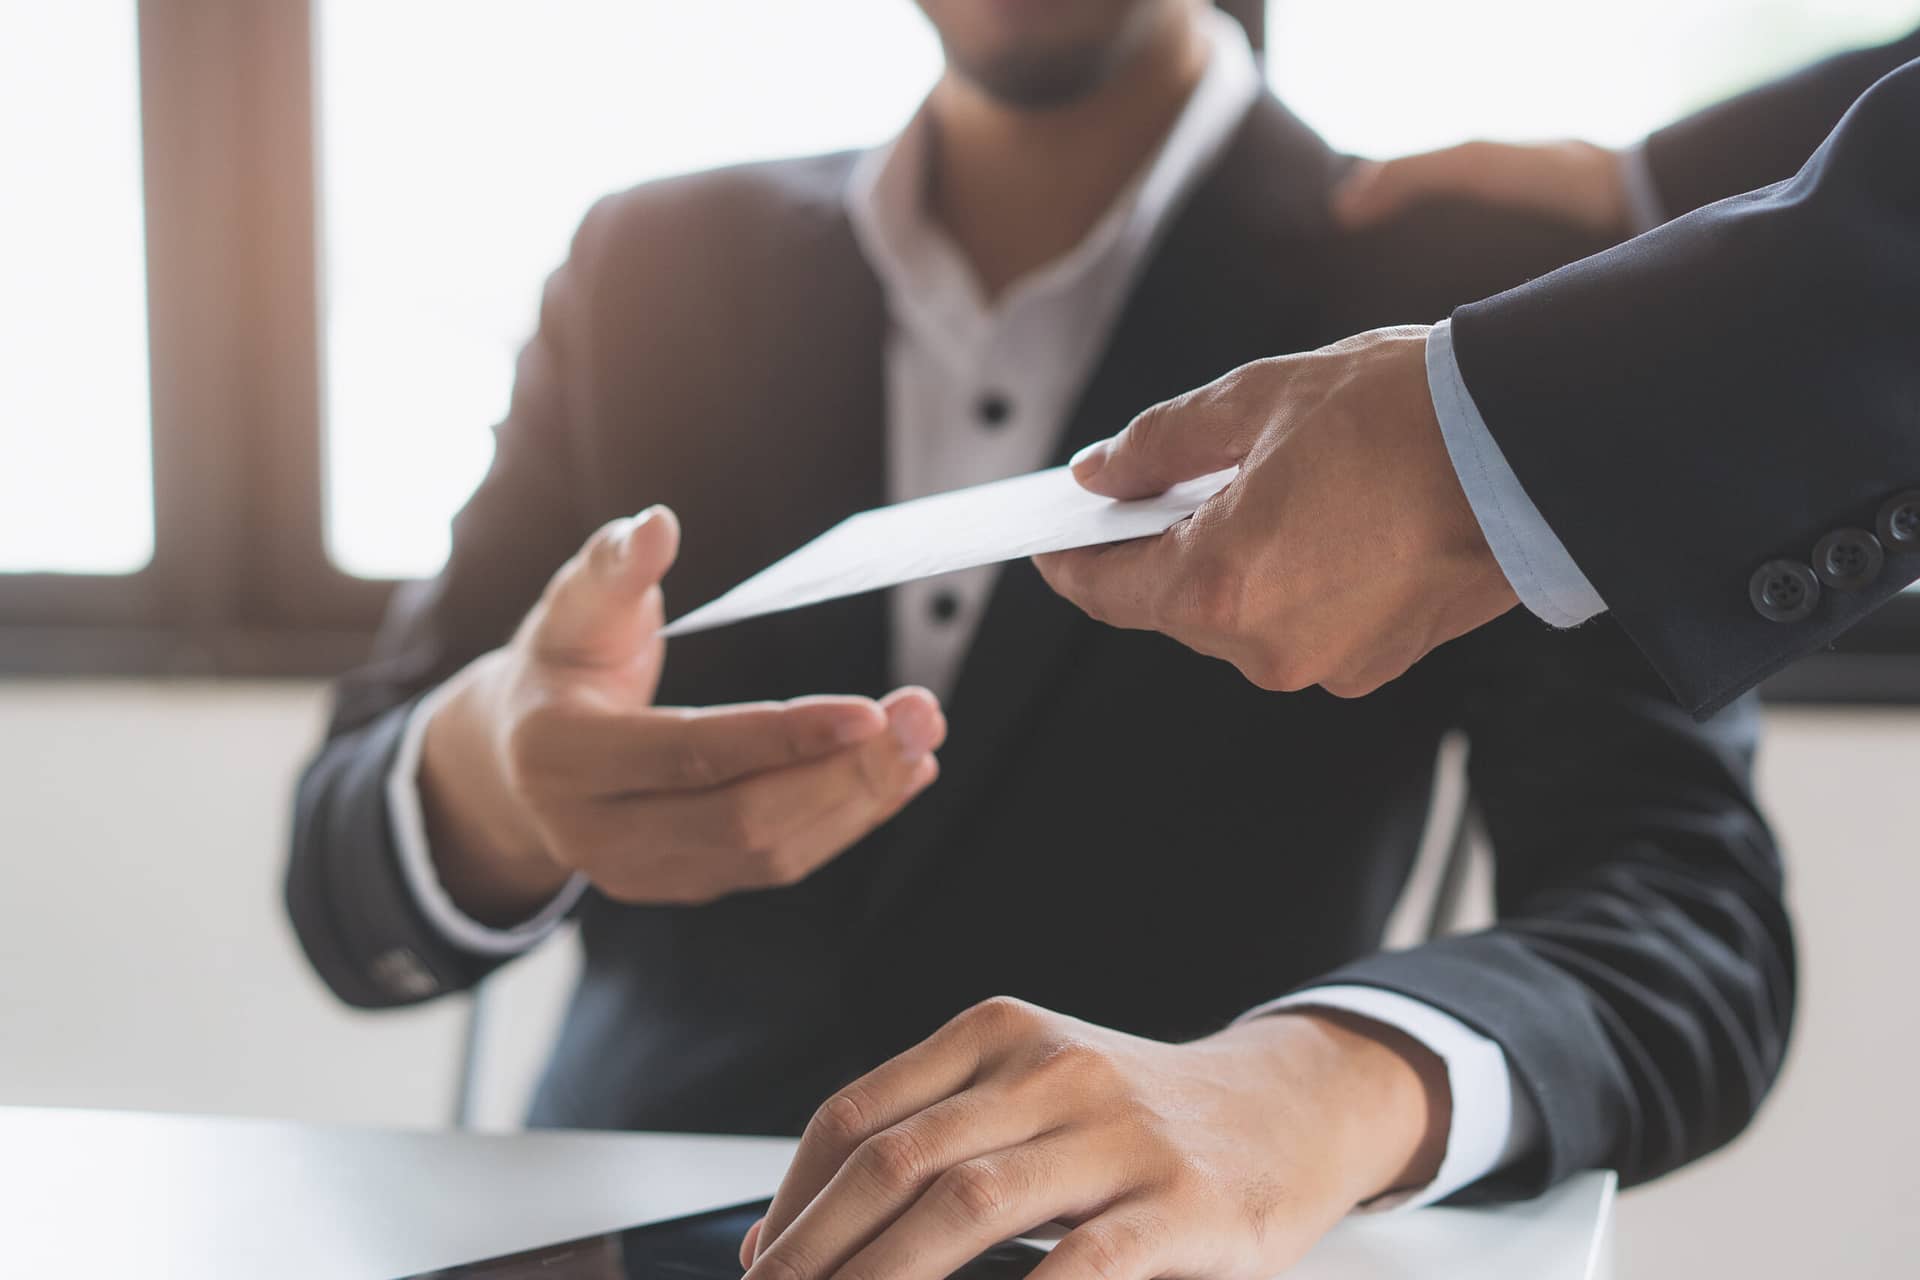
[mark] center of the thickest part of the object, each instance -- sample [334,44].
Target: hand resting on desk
[1223,1159]
[548,757]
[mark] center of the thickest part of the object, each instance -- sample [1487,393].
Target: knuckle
[1102,1250]
[782,1263]
[977,1193]
[895,1160]
[1074,1062]
[1226,395]
[1190,1180]
[843,1121]
[598,554]
[781,867]
[873,771]
[691,767]
[742,828]
[1215,596]
[1000,1018]
[1147,427]
[1274,673]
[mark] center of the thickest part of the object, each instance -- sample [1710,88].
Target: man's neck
[1016,189]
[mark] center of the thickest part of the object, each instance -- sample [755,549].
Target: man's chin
[1040,81]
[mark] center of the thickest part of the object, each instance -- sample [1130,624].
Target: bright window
[1382,77]
[76,473]
[462,140]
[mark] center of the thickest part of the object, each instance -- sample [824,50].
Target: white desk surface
[120,1194]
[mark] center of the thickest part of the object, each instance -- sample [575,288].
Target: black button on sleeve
[994,409]
[1899,522]
[1783,591]
[1849,559]
[945,607]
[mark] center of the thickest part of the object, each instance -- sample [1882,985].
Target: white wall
[1824,1183]
[145,962]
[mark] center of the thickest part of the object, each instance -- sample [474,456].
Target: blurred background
[264,266]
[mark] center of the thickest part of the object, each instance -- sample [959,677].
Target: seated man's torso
[1124,831]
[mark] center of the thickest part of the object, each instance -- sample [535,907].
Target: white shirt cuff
[1494,1124]
[1534,559]
[408,823]
[1644,208]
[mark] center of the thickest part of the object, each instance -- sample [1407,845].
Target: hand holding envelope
[549,764]
[1007,520]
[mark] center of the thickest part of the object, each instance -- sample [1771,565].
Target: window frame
[240,583]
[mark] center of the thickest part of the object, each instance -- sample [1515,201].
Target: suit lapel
[1230,282]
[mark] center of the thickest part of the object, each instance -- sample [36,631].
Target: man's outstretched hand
[1224,1159]
[1342,553]
[549,757]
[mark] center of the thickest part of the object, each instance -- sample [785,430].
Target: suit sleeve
[345,891]
[1696,411]
[1765,135]
[1640,976]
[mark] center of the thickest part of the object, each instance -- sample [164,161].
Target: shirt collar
[929,283]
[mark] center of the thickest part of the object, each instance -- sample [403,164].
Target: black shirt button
[1899,522]
[994,409]
[1783,591]
[1849,559]
[945,607]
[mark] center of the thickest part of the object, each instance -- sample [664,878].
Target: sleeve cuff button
[1783,591]
[1849,559]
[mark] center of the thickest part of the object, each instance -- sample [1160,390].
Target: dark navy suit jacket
[1721,419]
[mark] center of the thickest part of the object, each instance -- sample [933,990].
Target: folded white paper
[986,524]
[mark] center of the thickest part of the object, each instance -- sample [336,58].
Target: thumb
[1192,435]
[604,606]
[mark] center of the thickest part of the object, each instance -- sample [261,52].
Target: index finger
[695,748]
[933,1070]
[1120,584]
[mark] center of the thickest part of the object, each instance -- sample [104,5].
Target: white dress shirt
[980,390]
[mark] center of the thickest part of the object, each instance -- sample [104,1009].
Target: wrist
[486,849]
[1382,1095]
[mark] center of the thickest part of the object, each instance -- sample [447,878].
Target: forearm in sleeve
[1697,411]
[1640,976]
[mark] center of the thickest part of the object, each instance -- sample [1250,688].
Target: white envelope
[985,524]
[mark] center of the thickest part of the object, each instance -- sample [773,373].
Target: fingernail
[1086,464]
[634,525]
[857,725]
[916,729]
